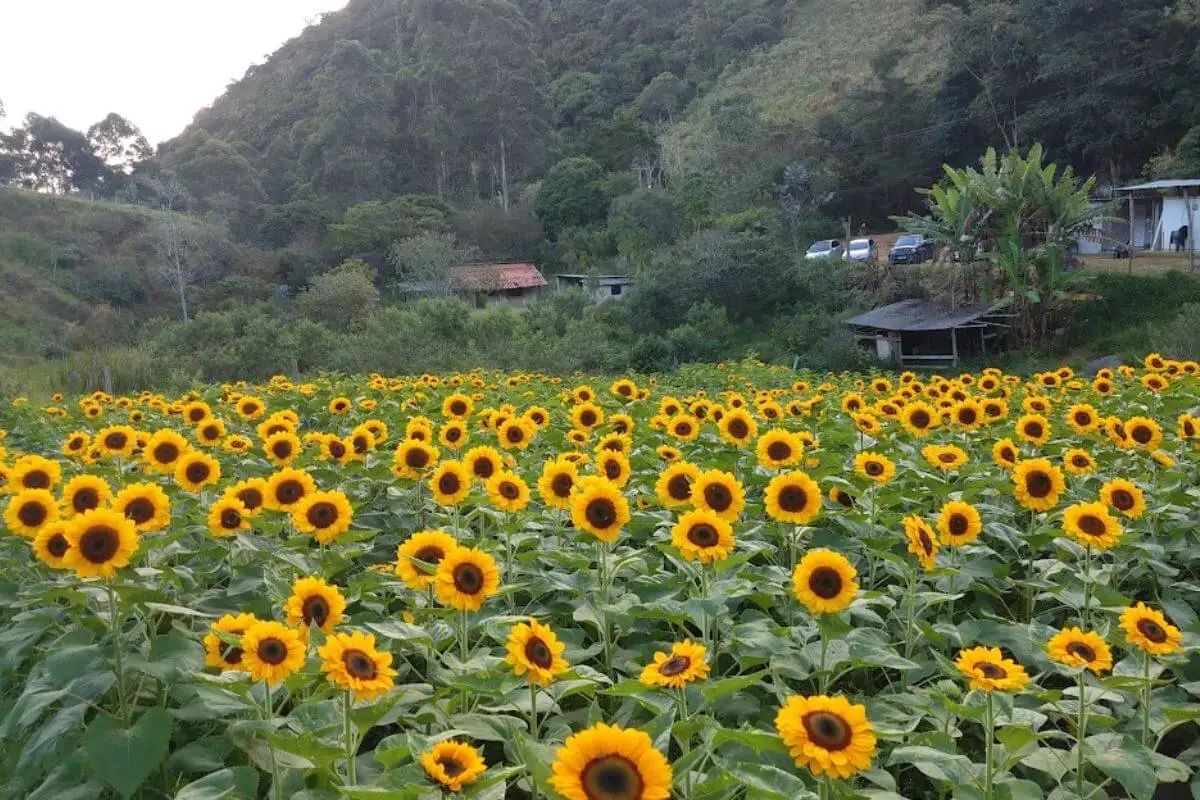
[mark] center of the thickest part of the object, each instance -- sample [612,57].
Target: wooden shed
[926,333]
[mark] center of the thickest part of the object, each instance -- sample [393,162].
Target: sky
[155,62]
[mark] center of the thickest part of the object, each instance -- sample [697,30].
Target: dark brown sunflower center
[272,651]
[251,498]
[793,498]
[844,498]
[274,429]
[991,671]
[32,515]
[315,610]
[827,730]
[1034,430]
[249,409]
[57,546]
[919,419]
[600,513]
[231,520]
[85,499]
[1122,499]
[538,653]
[288,492]
[619,426]
[514,434]
[683,428]
[417,434]
[1092,525]
[451,767]
[624,390]
[231,654]
[947,458]
[958,524]
[1038,484]
[430,554]
[416,457]
[197,472]
[925,542]
[1082,418]
[361,444]
[322,514]
[359,665]
[967,416]
[1152,630]
[337,449]
[718,496]
[825,583]
[562,484]
[703,535]
[509,490]
[458,408]
[1007,454]
[1082,651]
[679,487]
[738,428]
[1079,460]
[1141,434]
[587,418]
[483,468]
[453,433]
[874,468]
[468,579]
[99,544]
[612,469]
[282,449]
[75,444]
[675,666]
[449,483]
[36,479]
[196,415]
[210,432]
[140,510]
[612,777]
[779,451]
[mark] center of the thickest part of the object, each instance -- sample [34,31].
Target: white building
[1147,214]
[602,288]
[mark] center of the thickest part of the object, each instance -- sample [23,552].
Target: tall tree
[119,143]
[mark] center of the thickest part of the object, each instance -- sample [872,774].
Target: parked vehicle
[827,248]
[912,248]
[861,250]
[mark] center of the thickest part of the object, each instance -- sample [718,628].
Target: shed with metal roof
[929,333]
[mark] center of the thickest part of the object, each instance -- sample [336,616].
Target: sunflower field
[735,581]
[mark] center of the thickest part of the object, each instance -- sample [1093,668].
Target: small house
[491,285]
[1146,215]
[602,288]
[926,333]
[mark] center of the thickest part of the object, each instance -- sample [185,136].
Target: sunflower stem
[1031,602]
[685,744]
[462,653]
[824,653]
[1145,699]
[871,534]
[989,717]
[1087,586]
[910,620]
[533,719]
[1080,734]
[268,713]
[348,735]
[115,626]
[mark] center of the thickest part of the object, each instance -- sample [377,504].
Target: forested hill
[474,100]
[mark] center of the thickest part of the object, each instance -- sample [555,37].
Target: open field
[737,581]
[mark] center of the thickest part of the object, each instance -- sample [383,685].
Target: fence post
[107,381]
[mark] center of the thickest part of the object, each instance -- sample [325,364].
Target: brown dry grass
[1143,263]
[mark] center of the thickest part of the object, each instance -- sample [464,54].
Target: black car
[912,248]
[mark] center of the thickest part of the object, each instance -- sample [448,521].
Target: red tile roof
[497,277]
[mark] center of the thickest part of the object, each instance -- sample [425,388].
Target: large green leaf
[1126,762]
[125,757]
[236,783]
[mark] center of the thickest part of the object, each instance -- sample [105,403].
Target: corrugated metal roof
[921,315]
[497,277]
[1170,183]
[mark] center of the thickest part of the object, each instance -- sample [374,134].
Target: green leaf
[125,757]
[772,781]
[728,686]
[1129,764]
[236,783]
[936,764]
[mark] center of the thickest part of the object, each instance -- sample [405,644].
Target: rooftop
[496,277]
[922,315]
[1169,183]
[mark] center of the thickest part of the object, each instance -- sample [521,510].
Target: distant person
[862,229]
[1181,239]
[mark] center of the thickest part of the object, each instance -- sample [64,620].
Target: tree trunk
[503,173]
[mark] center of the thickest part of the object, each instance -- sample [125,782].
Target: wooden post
[1191,244]
[108,381]
[1131,233]
[954,345]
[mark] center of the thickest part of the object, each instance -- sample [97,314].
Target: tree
[662,98]
[571,195]
[174,240]
[340,297]
[373,226]
[644,219]
[797,199]
[48,156]
[119,143]
[425,261]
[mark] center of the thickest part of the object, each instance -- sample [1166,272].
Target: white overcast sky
[156,62]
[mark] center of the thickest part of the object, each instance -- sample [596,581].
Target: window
[615,290]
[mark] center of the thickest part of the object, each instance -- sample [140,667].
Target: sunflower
[778,448]
[465,578]
[874,466]
[220,653]
[1037,484]
[507,491]
[1004,454]
[196,470]
[360,442]
[210,432]
[34,472]
[450,483]
[453,764]
[1148,630]
[702,536]
[719,492]
[737,427]
[282,447]
[101,542]
[1090,525]
[428,548]
[163,450]
[227,516]
[687,662]
[50,545]
[1077,648]
[83,493]
[684,427]
[828,735]
[237,444]
[276,423]
[824,581]
[271,651]
[340,405]
[145,504]
[578,436]
[249,407]
[29,510]
[614,467]
[325,515]
[351,661]
[1034,429]
[1124,496]
[792,497]
[994,409]
[1082,418]
[413,458]
[674,484]
[557,483]
[535,652]
[1163,458]
[944,457]
[1144,432]
[453,434]
[599,508]
[483,462]
[959,523]
[620,423]
[607,762]
[1155,383]
[515,434]
[287,487]
[990,671]
[587,415]
[314,603]
[670,406]
[540,418]
[919,418]
[196,412]
[459,406]
[922,542]
[842,497]
[75,445]
[967,414]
